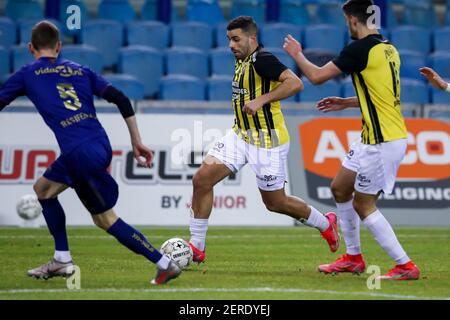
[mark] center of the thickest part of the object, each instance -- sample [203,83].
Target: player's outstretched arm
[336,103]
[316,75]
[143,154]
[435,79]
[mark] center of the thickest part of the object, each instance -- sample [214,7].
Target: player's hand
[432,76]
[252,107]
[292,46]
[331,104]
[143,155]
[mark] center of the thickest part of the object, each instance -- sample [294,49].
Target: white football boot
[53,268]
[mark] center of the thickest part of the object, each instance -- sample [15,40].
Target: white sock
[198,228]
[163,263]
[385,236]
[349,221]
[62,256]
[317,220]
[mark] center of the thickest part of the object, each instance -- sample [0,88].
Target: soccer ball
[28,207]
[179,251]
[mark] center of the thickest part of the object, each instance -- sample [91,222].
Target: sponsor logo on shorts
[218,146]
[350,154]
[267,178]
[363,180]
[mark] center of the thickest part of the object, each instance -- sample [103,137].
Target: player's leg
[379,166]
[269,165]
[135,241]
[211,172]
[47,191]
[99,192]
[128,236]
[342,188]
[381,230]
[226,157]
[277,201]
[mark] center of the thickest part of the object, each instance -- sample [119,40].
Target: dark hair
[44,35]
[246,23]
[358,9]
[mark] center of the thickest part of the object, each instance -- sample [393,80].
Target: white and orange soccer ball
[179,251]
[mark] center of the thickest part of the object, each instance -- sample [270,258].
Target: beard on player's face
[352,25]
[241,51]
[352,31]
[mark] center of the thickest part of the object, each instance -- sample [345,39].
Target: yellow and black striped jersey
[254,76]
[374,64]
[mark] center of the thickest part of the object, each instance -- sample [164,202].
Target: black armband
[117,97]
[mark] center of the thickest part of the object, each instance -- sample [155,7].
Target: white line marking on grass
[226,290]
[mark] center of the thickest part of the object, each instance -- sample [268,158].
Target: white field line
[226,290]
[249,236]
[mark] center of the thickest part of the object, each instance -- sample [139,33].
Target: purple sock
[134,240]
[56,222]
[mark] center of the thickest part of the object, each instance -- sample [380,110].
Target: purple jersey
[63,93]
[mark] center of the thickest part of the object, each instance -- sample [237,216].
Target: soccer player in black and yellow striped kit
[372,163]
[259,138]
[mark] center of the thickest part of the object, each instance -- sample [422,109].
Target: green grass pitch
[242,263]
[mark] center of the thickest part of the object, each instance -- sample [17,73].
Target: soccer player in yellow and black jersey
[259,138]
[254,76]
[372,163]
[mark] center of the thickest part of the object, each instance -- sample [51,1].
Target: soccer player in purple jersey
[63,93]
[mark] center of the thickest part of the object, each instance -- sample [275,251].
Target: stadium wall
[161,195]
[421,196]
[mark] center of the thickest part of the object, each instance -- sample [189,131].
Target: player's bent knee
[102,225]
[201,181]
[99,223]
[42,189]
[105,220]
[274,205]
[335,190]
[38,190]
[339,193]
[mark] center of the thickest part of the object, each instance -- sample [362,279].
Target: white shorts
[376,165]
[269,165]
